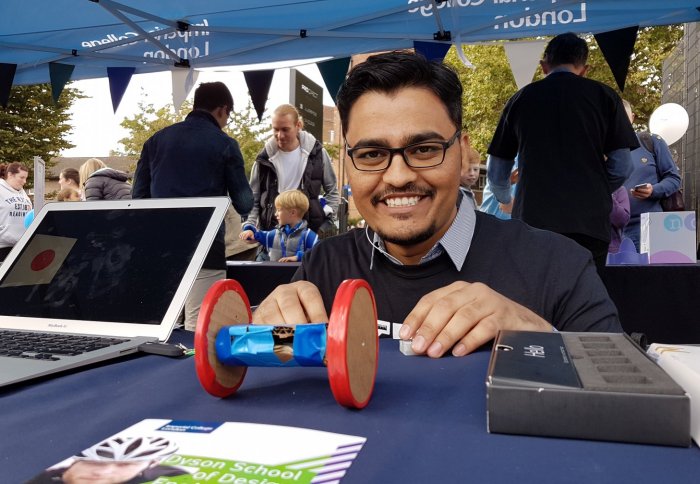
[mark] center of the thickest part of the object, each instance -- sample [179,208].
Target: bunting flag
[617,47]
[433,51]
[523,58]
[333,72]
[259,83]
[119,78]
[183,81]
[59,75]
[7,75]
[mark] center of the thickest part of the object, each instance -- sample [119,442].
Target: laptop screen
[112,265]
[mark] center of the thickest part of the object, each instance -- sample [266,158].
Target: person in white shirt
[14,205]
[292,159]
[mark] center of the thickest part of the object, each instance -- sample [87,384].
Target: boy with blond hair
[292,237]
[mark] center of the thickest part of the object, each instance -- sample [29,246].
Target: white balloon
[670,121]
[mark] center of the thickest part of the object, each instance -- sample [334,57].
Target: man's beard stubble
[408,240]
[412,239]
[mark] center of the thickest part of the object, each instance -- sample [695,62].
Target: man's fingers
[432,323]
[451,318]
[480,334]
[464,316]
[417,316]
[296,303]
[312,303]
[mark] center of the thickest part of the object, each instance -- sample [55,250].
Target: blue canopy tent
[91,36]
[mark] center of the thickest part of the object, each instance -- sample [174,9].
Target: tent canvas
[156,35]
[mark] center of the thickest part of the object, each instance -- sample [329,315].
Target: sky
[96,127]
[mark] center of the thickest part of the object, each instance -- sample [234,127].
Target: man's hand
[291,258]
[296,303]
[464,315]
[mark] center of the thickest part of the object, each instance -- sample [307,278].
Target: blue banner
[156,35]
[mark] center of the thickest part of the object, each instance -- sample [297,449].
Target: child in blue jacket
[292,237]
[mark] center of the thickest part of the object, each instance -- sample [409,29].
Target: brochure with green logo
[177,451]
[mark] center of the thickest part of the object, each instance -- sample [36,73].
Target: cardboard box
[598,386]
[668,237]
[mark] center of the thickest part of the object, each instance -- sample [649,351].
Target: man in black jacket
[195,158]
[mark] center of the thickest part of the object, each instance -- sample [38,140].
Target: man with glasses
[195,158]
[450,276]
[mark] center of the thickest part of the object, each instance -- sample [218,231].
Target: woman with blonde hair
[100,182]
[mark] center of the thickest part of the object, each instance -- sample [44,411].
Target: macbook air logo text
[535,351]
[56,325]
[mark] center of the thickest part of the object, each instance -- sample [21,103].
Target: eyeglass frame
[446,144]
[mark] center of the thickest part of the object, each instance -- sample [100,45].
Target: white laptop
[118,270]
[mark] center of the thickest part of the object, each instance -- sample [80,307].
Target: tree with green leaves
[250,133]
[33,125]
[490,83]
[244,128]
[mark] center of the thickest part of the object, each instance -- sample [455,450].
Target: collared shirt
[455,242]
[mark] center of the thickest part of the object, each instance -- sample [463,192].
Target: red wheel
[225,304]
[352,346]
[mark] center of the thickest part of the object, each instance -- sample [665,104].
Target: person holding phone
[654,176]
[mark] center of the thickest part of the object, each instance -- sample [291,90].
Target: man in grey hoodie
[292,159]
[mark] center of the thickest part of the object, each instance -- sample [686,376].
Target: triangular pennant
[433,51]
[333,73]
[59,75]
[119,78]
[183,82]
[259,83]
[7,75]
[524,58]
[617,47]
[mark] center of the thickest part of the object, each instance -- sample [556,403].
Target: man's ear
[464,146]
[221,115]
[464,141]
[464,152]
[545,67]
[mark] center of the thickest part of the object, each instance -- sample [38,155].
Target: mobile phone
[640,186]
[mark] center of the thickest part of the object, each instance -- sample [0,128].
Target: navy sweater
[543,271]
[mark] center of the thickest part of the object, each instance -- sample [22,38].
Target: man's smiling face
[409,208]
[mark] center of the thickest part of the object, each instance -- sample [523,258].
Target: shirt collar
[559,69]
[456,241]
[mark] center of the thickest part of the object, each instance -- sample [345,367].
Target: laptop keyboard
[50,346]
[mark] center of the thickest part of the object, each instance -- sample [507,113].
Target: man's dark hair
[211,95]
[389,72]
[566,48]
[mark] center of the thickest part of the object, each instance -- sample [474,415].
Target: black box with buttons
[598,386]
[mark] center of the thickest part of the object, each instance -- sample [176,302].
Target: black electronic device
[598,386]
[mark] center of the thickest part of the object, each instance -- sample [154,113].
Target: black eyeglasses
[425,154]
